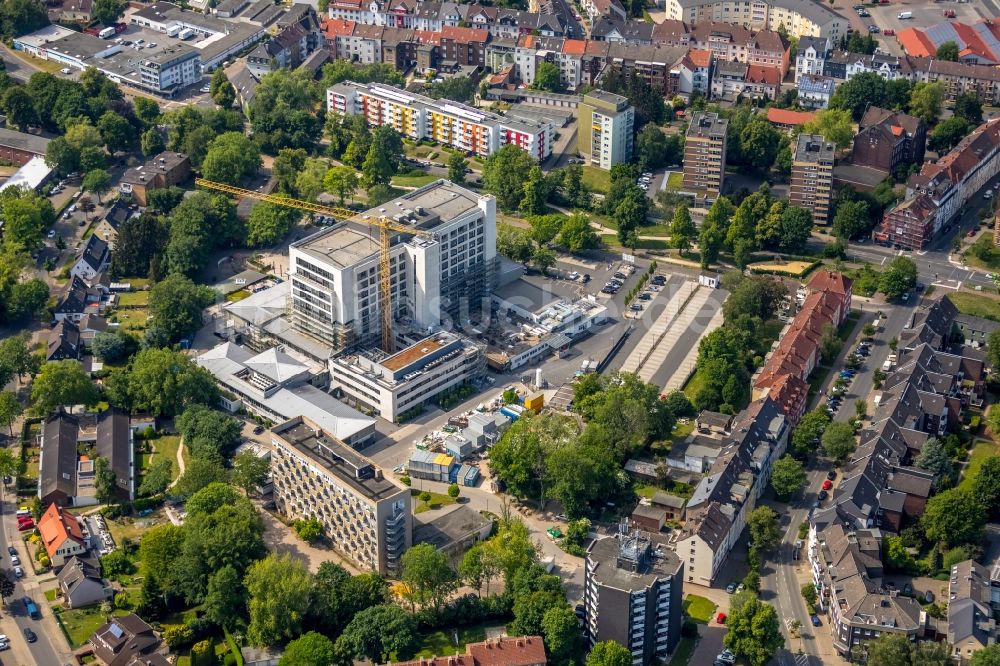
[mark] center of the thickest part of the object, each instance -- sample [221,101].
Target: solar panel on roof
[116,631]
[944,32]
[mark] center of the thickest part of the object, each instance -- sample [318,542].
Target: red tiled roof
[786,117]
[762,74]
[507,651]
[56,526]
[428,37]
[575,47]
[464,35]
[916,42]
[700,57]
[838,283]
[334,28]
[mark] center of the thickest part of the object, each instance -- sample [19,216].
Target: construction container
[432,466]
[535,402]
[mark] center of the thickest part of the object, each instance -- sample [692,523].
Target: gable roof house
[80,583]
[887,139]
[93,260]
[61,535]
[64,342]
[107,227]
[128,641]
[80,300]
[971,626]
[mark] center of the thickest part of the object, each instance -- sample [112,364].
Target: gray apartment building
[633,594]
[365,514]
[705,155]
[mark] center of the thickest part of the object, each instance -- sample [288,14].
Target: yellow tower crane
[384,225]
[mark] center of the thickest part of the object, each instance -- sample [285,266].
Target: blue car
[815,620]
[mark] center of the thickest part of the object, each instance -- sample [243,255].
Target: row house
[797,353]
[936,194]
[444,121]
[846,569]
[727,42]
[624,32]
[959,78]
[289,48]
[972,596]
[810,56]
[715,515]
[654,64]
[530,51]
[596,9]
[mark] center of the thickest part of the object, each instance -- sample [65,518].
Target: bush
[454,490]
[689,629]
[178,636]
[405,480]
[203,654]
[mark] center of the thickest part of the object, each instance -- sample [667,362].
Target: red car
[827,484]
[25,526]
[24,519]
[949,13]
[721,618]
[889,32]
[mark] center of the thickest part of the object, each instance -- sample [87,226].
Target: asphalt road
[44,650]
[564,9]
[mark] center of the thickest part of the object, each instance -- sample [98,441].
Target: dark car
[29,635]
[620,275]
[815,620]
[822,495]
[258,430]
[645,297]
[12,550]
[580,611]
[831,475]
[586,278]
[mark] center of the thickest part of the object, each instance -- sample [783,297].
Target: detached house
[128,641]
[81,585]
[887,139]
[61,535]
[93,260]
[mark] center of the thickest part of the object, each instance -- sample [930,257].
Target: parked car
[832,474]
[720,618]
[635,307]
[815,620]
[889,32]
[645,296]
[258,430]
[29,635]
[726,657]
[12,550]
[18,572]
[731,588]
[827,484]
[822,495]
[25,526]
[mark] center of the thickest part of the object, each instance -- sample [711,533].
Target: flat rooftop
[533,295]
[343,462]
[444,530]
[442,201]
[709,124]
[412,354]
[342,245]
[814,148]
[604,554]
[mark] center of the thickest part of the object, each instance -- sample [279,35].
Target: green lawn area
[683,652]
[645,490]
[699,609]
[974,304]
[167,446]
[413,181]
[597,180]
[611,240]
[80,623]
[133,299]
[645,230]
[237,295]
[695,384]
[440,644]
[980,453]
[675,180]
[436,501]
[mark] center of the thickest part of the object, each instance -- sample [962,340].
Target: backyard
[980,453]
[699,609]
[976,305]
[78,624]
[441,644]
[436,500]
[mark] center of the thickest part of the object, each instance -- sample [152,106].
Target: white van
[904,15]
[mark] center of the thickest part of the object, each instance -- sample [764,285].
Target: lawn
[596,180]
[80,623]
[237,295]
[684,651]
[441,644]
[976,305]
[645,490]
[414,181]
[133,299]
[166,446]
[611,240]
[436,501]
[699,609]
[980,453]
[695,384]
[675,180]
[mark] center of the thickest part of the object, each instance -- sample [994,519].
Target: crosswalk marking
[801,660]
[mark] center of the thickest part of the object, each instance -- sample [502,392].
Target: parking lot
[923,14]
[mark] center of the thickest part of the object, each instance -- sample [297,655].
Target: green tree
[754,632]
[97,182]
[59,154]
[16,102]
[310,649]
[139,245]
[377,632]
[162,382]
[269,223]
[151,142]
[342,180]
[61,383]
[232,158]
[116,132]
[561,631]
[208,433]
[899,277]
[759,143]
[514,243]
[838,441]
[577,235]
[160,547]
[428,576]
[713,230]
[283,111]
[948,133]
[988,656]
[146,111]
[221,89]
[23,223]
[535,194]
[609,653]
[547,77]
[504,175]
[308,530]
[176,305]
[157,477]
[10,410]
[250,470]
[105,480]
[763,525]
[383,158]
[199,474]
[986,485]
[277,599]
[458,168]
[682,229]
[864,90]
[954,517]
[968,106]
[934,458]
[651,148]
[890,649]
[948,51]
[796,227]
[851,219]
[926,100]
[834,125]
[107,12]
[788,476]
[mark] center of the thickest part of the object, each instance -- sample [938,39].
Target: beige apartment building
[705,155]
[799,17]
[605,126]
[365,514]
[812,176]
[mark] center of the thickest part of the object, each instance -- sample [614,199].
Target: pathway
[180,463]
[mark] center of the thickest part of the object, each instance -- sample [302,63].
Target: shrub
[178,636]
[405,480]
[454,490]
[689,629]
[203,654]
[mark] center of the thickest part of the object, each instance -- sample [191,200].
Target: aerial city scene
[499,333]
